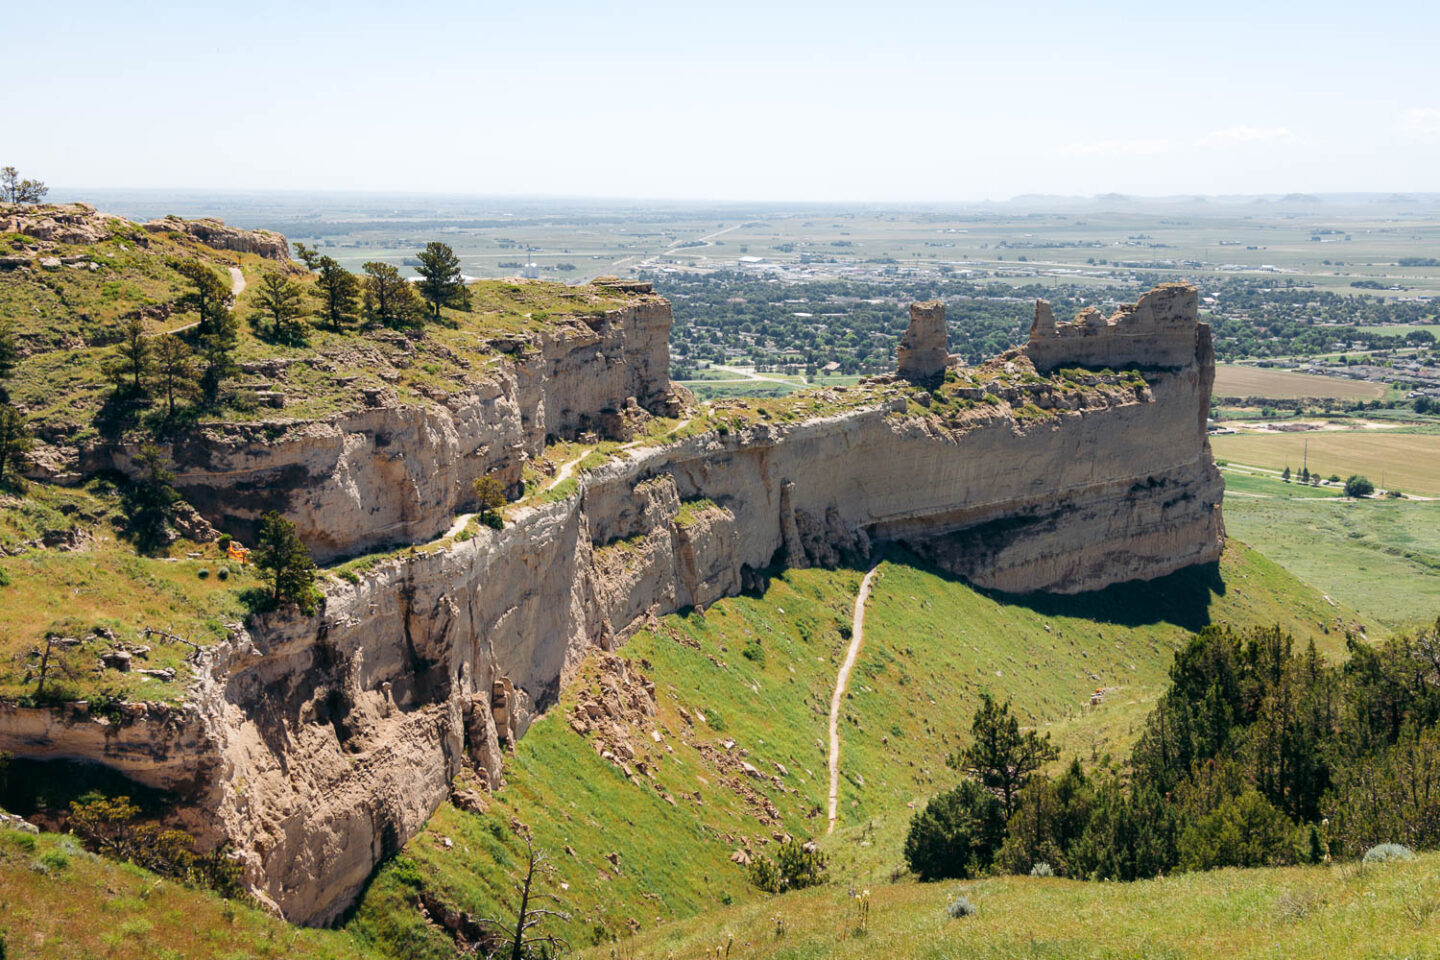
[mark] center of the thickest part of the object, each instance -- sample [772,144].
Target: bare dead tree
[515,935]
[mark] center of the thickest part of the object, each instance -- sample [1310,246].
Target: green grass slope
[1390,911]
[633,853]
[58,902]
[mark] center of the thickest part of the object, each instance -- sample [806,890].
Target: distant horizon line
[78,194]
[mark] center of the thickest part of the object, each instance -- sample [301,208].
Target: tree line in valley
[1257,755]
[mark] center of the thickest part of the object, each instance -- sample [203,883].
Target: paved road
[857,637]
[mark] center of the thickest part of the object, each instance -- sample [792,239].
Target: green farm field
[1380,557]
[1409,462]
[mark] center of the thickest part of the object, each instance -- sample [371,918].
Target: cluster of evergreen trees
[194,364]
[1255,756]
[382,297]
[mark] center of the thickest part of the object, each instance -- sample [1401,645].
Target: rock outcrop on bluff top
[1158,331]
[318,745]
[215,233]
[82,223]
[924,352]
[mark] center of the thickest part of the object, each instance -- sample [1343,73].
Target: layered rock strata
[397,473]
[924,351]
[319,745]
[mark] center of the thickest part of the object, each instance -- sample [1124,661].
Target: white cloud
[1234,136]
[1117,148]
[1420,123]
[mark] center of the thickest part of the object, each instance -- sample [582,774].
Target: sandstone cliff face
[1157,331]
[923,351]
[215,233]
[322,744]
[398,473]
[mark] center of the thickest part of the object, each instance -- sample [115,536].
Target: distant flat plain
[1234,380]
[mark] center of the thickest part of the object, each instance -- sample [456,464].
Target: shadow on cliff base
[42,790]
[1182,598]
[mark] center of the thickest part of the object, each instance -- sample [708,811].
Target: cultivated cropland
[428,578]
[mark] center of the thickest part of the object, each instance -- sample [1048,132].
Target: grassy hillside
[58,902]
[1389,911]
[760,671]
[68,320]
[67,571]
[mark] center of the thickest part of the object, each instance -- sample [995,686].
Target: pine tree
[390,299]
[308,256]
[216,348]
[490,494]
[339,292]
[1002,758]
[175,364]
[15,190]
[441,282]
[15,443]
[150,499]
[286,562]
[209,297]
[282,300]
[135,359]
[9,350]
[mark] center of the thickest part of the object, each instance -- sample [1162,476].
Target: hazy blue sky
[727,100]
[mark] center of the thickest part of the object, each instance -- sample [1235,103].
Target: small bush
[794,868]
[754,651]
[4,578]
[960,908]
[55,859]
[1041,869]
[223,573]
[1388,853]
[203,573]
[493,520]
[224,542]
[764,875]
[25,841]
[463,536]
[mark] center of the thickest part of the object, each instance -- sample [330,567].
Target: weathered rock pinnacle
[923,352]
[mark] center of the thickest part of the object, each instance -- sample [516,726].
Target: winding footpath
[237,287]
[857,637]
[568,468]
